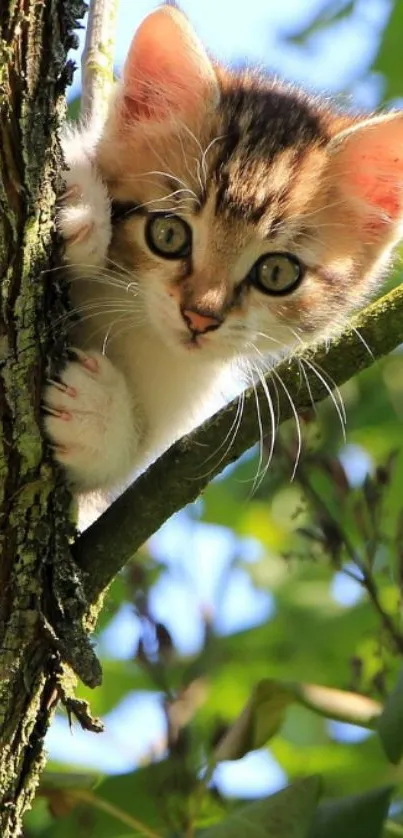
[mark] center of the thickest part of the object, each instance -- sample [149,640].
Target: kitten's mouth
[193,342]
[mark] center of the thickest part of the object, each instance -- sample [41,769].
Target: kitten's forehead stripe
[266,134]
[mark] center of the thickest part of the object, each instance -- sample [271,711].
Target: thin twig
[366,580]
[114,811]
[97,60]
[388,625]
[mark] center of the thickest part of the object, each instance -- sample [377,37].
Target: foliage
[282,682]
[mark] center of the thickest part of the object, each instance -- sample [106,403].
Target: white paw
[84,214]
[89,420]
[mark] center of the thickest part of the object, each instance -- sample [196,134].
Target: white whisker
[204,157]
[363,341]
[307,383]
[260,426]
[179,180]
[232,434]
[340,411]
[297,422]
[266,391]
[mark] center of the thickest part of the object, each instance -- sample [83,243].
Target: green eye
[276,273]
[168,236]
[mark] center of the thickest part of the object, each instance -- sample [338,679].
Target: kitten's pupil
[168,236]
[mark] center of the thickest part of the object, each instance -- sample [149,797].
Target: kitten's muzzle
[199,322]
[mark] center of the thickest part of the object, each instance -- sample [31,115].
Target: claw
[64,415]
[81,234]
[64,388]
[87,361]
[73,191]
[60,449]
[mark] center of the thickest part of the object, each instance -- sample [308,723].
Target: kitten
[218,219]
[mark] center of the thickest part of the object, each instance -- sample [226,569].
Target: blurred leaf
[135,794]
[287,814]
[73,109]
[264,713]
[258,722]
[65,779]
[390,723]
[338,704]
[158,796]
[37,819]
[361,816]
[347,768]
[392,830]
[389,58]
[328,17]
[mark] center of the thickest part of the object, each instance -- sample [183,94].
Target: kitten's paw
[89,420]
[84,214]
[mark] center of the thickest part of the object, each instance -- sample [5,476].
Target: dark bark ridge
[34,40]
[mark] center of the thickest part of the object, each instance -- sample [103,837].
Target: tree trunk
[34,534]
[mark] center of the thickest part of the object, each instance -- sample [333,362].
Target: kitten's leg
[84,216]
[90,417]
[90,420]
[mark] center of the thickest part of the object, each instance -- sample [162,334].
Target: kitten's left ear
[367,163]
[167,71]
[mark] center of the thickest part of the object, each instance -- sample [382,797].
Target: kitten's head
[250,214]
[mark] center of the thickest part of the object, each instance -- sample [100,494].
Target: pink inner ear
[384,193]
[373,169]
[167,69]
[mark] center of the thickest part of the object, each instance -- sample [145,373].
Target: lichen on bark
[34,532]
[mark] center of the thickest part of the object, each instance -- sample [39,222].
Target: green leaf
[264,713]
[320,22]
[392,830]
[134,794]
[73,110]
[360,816]
[389,58]
[287,814]
[390,723]
[157,796]
[260,719]
[58,776]
[339,705]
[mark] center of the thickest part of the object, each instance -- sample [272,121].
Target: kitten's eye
[168,236]
[276,273]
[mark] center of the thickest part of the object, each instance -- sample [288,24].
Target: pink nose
[199,322]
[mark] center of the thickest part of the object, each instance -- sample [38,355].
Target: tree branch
[179,476]
[97,60]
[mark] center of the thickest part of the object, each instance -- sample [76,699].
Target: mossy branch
[179,476]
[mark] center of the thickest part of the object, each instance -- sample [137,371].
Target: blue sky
[330,62]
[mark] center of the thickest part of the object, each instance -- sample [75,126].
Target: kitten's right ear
[367,165]
[167,70]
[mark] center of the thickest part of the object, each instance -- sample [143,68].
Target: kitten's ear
[367,163]
[167,70]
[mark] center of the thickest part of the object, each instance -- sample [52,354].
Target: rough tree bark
[35,37]
[44,605]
